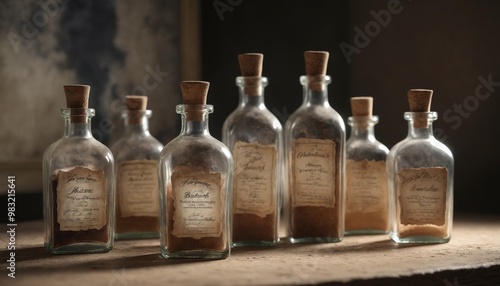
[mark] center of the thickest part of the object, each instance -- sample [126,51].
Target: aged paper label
[366,186]
[422,195]
[198,208]
[314,172]
[138,188]
[81,199]
[254,178]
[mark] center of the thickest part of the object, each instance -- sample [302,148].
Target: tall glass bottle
[195,173]
[78,183]
[136,156]
[420,170]
[254,135]
[367,200]
[315,155]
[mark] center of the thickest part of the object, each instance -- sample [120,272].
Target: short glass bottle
[136,157]
[195,172]
[315,160]
[420,170]
[78,183]
[367,200]
[254,135]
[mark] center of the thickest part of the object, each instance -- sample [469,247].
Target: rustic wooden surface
[471,258]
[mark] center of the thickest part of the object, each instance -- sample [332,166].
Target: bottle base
[195,254]
[136,235]
[79,248]
[421,239]
[255,243]
[315,240]
[365,232]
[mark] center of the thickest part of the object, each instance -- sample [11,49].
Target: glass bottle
[136,155]
[367,201]
[315,148]
[195,172]
[254,135]
[78,183]
[420,170]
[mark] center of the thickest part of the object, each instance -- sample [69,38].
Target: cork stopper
[362,106]
[194,93]
[316,64]
[136,102]
[251,64]
[251,70]
[77,97]
[420,101]
[136,105]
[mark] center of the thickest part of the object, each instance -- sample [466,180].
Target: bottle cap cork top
[316,62]
[136,102]
[420,100]
[251,64]
[362,105]
[77,95]
[194,92]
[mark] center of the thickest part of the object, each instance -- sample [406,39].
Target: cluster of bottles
[202,196]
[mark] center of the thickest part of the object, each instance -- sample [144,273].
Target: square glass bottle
[420,171]
[367,200]
[78,183]
[195,172]
[136,155]
[254,135]
[315,160]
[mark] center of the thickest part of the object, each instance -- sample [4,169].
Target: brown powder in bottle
[194,95]
[77,97]
[318,221]
[134,224]
[249,227]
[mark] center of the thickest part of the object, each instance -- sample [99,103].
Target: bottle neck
[315,90]
[194,119]
[363,127]
[137,121]
[420,124]
[77,122]
[251,90]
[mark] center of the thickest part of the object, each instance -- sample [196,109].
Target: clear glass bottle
[78,184]
[315,159]
[367,200]
[195,172]
[420,170]
[254,135]
[136,157]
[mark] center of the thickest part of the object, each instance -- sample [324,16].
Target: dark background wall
[449,46]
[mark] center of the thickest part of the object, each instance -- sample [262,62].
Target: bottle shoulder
[70,152]
[198,152]
[416,153]
[252,125]
[364,149]
[316,114]
[137,147]
[314,122]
